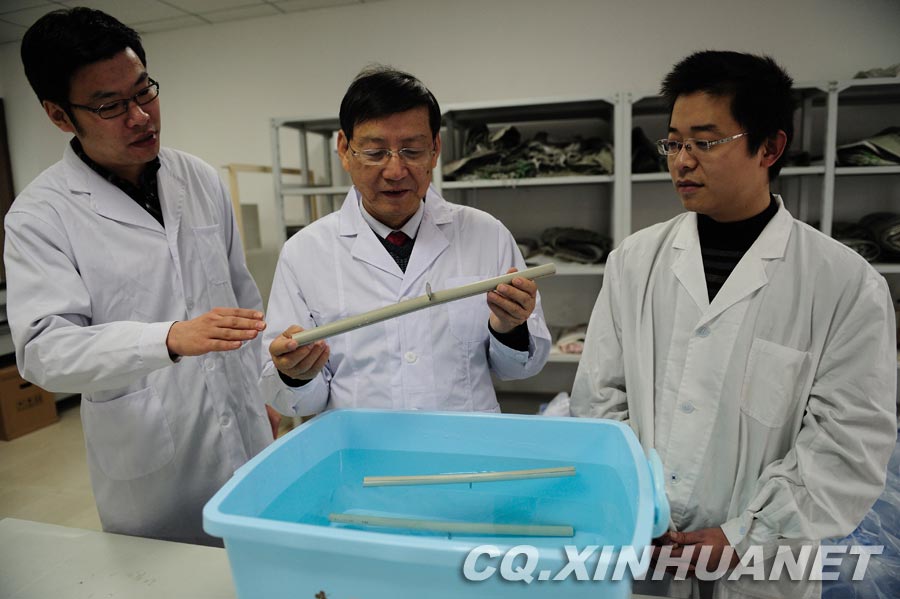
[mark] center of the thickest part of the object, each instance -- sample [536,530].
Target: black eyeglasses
[111,110]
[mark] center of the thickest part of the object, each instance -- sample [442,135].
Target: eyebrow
[382,140]
[711,128]
[102,95]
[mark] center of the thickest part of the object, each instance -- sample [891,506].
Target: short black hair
[760,91]
[379,91]
[63,41]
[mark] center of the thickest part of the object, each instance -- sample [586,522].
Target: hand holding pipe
[431,298]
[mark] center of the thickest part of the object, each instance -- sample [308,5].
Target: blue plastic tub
[273,514]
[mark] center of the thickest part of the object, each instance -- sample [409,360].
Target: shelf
[531,182]
[799,171]
[306,190]
[887,268]
[564,267]
[788,171]
[867,170]
[652,177]
[561,358]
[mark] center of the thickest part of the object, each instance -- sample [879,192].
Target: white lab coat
[94,283]
[435,359]
[772,408]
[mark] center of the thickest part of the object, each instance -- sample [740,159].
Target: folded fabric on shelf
[858,238]
[571,339]
[503,155]
[891,71]
[576,245]
[885,228]
[882,149]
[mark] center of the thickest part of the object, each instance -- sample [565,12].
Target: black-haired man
[393,235]
[754,353]
[123,263]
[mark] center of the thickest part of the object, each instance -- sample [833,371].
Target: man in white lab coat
[393,235]
[124,272]
[756,354]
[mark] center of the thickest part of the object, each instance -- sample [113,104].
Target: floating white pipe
[431,298]
[474,528]
[467,477]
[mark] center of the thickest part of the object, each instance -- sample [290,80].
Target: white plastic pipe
[431,298]
[467,477]
[469,528]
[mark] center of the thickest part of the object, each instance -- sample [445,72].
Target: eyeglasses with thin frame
[110,110]
[381,156]
[671,147]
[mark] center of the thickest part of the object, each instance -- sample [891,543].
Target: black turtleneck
[724,244]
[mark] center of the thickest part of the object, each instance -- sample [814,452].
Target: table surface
[39,560]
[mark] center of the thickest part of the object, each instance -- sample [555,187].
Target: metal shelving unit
[817,124]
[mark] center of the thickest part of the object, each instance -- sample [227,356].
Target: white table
[46,561]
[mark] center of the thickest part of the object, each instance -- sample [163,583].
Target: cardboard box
[23,407]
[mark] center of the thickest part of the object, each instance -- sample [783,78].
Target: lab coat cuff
[736,531]
[154,352]
[520,357]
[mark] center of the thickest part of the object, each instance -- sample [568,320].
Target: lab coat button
[210,365]
[225,421]
[703,332]
[673,478]
[687,407]
[190,305]
[410,357]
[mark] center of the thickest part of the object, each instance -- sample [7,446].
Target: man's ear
[58,116]
[343,147]
[773,148]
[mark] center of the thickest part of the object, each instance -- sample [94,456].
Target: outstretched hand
[220,329]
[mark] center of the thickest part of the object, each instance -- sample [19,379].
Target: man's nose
[395,168]
[136,114]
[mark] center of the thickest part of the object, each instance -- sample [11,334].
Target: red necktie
[398,238]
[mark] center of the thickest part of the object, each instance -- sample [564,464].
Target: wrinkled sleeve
[836,470]
[49,312]
[506,362]
[287,306]
[599,387]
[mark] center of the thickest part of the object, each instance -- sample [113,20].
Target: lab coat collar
[104,197]
[430,241]
[749,274]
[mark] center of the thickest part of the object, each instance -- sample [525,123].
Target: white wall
[221,83]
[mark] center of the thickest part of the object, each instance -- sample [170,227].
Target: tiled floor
[44,475]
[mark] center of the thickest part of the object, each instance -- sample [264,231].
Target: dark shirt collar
[147,176]
[145,193]
[738,236]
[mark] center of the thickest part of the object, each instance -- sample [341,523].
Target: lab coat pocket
[775,375]
[468,317]
[128,436]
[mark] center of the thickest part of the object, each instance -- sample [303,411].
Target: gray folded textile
[576,245]
[858,238]
[885,228]
[503,155]
[891,71]
[882,149]
[528,246]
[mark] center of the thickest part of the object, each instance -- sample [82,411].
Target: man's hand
[713,537]
[220,329]
[512,304]
[298,362]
